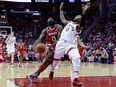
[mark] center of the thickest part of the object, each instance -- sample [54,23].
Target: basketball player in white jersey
[66,43]
[10,45]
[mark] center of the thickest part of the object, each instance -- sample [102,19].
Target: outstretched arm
[62,17]
[81,43]
[85,8]
[41,38]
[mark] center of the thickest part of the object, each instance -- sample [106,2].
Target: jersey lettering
[52,35]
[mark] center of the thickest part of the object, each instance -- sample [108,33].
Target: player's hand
[88,47]
[61,6]
[49,47]
[86,7]
[34,48]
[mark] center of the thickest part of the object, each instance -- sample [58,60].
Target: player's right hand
[61,6]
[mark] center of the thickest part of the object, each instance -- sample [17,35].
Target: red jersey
[21,47]
[52,35]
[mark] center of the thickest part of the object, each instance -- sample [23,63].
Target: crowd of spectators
[103,40]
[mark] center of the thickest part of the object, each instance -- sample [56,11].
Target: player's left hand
[86,6]
[34,48]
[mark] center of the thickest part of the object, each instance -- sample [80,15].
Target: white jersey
[69,33]
[11,42]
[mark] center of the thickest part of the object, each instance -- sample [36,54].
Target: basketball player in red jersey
[2,56]
[21,52]
[50,36]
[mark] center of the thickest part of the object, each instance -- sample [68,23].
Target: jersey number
[54,38]
[69,28]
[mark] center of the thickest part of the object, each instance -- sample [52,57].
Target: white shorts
[62,47]
[10,50]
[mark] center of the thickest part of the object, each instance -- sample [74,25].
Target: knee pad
[48,58]
[50,54]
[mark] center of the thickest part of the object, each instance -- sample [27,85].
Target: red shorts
[21,53]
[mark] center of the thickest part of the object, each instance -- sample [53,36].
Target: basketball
[40,47]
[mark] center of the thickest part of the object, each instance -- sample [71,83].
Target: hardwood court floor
[91,75]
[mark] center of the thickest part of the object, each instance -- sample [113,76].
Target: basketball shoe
[76,82]
[51,75]
[31,78]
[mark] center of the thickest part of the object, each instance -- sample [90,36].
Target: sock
[76,65]
[54,64]
[76,74]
